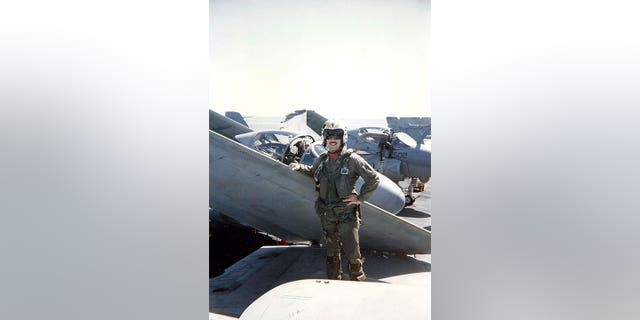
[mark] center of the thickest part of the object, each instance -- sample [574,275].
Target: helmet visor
[333,133]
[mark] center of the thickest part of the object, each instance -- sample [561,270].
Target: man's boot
[356,273]
[334,268]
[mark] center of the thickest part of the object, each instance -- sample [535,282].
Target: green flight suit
[336,179]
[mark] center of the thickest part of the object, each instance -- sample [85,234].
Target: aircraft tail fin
[237,117]
[314,121]
[304,121]
[225,126]
[417,128]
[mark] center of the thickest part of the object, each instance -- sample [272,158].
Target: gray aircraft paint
[258,191]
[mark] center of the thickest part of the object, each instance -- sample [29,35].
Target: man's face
[333,143]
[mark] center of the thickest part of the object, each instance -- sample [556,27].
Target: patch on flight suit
[344,171]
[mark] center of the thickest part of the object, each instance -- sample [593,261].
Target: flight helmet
[333,127]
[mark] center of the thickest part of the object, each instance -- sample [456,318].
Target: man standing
[338,204]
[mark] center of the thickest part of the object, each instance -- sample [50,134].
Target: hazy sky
[344,59]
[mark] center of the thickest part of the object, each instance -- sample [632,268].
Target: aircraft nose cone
[387,195]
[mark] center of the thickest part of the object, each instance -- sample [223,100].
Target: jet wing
[322,299]
[226,126]
[247,287]
[265,194]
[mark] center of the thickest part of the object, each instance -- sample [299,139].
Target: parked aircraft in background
[396,155]
[288,146]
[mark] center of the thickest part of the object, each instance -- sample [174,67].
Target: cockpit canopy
[404,140]
[279,144]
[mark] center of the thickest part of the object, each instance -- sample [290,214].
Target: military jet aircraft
[288,146]
[396,155]
[257,189]
[250,184]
